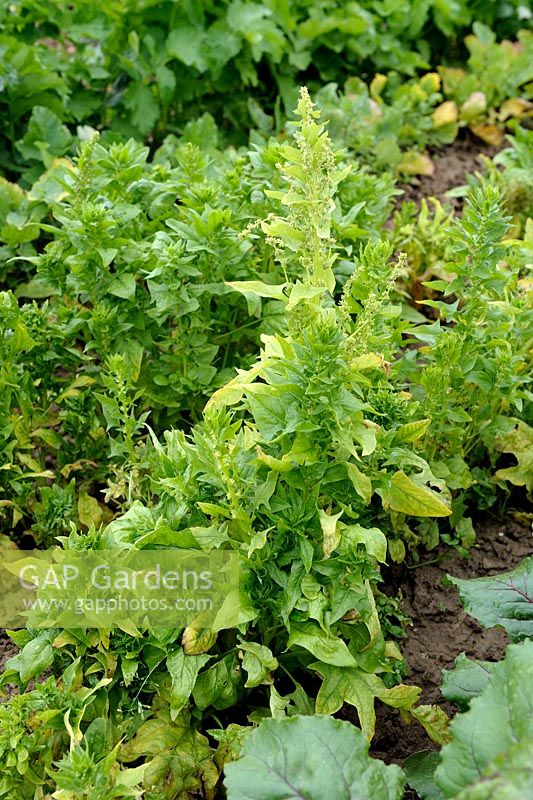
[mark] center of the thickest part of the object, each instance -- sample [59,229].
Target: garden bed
[452,163]
[440,629]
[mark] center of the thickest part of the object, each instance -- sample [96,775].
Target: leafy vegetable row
[317,463]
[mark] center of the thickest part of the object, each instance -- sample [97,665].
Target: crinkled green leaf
[420,773]
[466,680]
[309,758]
[496,730]
[505,599]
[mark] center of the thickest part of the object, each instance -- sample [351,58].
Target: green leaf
[505,599]
[46,136]
[303,291]
[420,773]
[511,776]
[260,289]
[187,44]
[210,538]
[359,689]
[403,494]
[361,482]
[218,686]
[235,611]
[519,442]
[166,81]
[309,758]
[289,235]
[266,408]
[466,680]
[373,539]
[123,286]
[491,751]
[34,658]
[258,661]
[183,670]
[324,646]
[142,102]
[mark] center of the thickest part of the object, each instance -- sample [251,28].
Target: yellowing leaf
[233,391]
[365,435]
[274,463]
[519,442]
[404,495]
[415,163]
[325,646]
[361,482]
[445,114]
[488,133]
[196,641]
[411,431]
[396,549]
[393,651]
[430,82]
[89,512]
[359,689]
[366,361]
[258,662]
[29,461]
[72,389]
[474,106]
[377,85]
[330,530]
[435,722]
[516,107]
[258,288]
[373,539]
[347,686]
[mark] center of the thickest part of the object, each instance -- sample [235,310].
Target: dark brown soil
[7,649]
[452,164]
[440,629]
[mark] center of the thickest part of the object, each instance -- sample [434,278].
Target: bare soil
[452,164]
[440,630]
[7,649]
